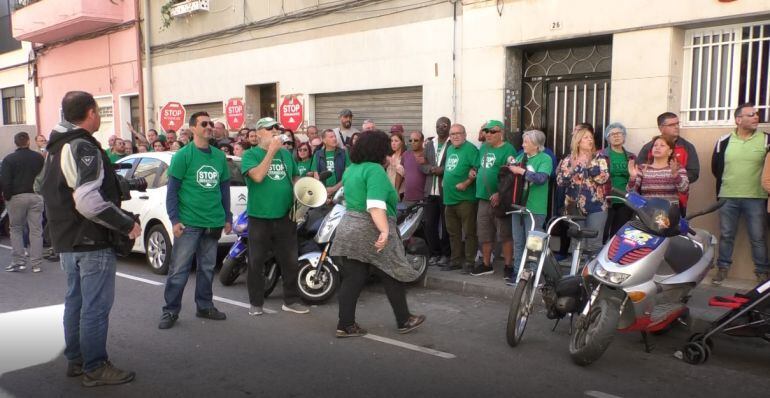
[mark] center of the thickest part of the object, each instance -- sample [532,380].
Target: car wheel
[157,247]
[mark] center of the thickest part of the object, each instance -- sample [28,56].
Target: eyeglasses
[207,123]
[303,149]
[456,134]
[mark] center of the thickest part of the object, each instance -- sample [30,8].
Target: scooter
[561,293]
[642,278]
[319,274]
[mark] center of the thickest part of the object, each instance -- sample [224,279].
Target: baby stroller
[749,316]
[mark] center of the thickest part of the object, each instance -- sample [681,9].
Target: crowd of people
[466,191]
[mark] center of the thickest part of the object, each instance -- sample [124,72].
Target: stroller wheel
[695,353]
[698,337]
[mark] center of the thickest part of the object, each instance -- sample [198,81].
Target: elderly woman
[617,161]
[662,177]
[536,167]
[583,174]
[367,237]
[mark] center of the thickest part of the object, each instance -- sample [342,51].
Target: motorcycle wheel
[272,273]
[417,254]
[317,291]
[518,313]
[594,335]
[231,269]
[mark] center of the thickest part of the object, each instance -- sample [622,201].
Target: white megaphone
[308,193]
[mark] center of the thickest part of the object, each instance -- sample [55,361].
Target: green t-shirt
[459,161]
[618,171]
[200,198]
[488,165]
[328,157]
[537,195]
[114,157]
[303,167]
[744,160]
[368,182]
[273,197]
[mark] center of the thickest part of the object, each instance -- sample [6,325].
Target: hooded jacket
[81,192]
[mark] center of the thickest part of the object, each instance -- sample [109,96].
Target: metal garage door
[385,107]
[214,109]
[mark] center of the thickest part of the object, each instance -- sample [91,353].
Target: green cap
[494,123]
[266,122]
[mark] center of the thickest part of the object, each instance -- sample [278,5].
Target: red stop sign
[291,113]
[234,113]
[172,116]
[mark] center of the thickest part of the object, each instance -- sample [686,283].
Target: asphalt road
[460,352]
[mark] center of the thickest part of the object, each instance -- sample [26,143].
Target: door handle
[144,197]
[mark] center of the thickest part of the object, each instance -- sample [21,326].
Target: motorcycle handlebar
[716,206]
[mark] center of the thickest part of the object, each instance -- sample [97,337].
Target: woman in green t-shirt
[367,237]
[303,159]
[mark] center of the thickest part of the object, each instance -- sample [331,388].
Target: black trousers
[279,238]
[354,276]
[436,234]
[617,215]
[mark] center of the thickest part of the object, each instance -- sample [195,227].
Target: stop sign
[291,113]
[234,113]
[172,116]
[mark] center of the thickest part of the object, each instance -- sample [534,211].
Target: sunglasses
[494,131]
[415,140]
[207,123]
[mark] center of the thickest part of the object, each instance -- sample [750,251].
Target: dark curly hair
[372,146]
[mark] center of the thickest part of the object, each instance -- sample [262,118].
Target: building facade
[88,45]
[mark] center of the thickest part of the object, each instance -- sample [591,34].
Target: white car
[156,239]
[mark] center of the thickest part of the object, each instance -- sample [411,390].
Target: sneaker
[36,269]
[507,272]
[449,267]
[107,375]
[75,368]
[296,308]
[762,276]
[433,260]
[482,270]
[413,323]
[15,268]
[167,320]
[211,313]
[467,268]
[351,331]
[256,310]
[720,276]
[443,261]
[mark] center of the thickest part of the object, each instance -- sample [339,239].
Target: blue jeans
[520,232]
[754,212]
[87,305]
[194,240]
[593,221]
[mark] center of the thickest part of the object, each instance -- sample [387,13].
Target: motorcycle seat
[682,253]
[575,233]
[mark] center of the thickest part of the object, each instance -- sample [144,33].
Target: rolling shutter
[214,109]
[385,107]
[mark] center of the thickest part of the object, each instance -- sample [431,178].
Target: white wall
[19,76]
[404,55]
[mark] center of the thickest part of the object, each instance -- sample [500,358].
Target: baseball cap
[397,128]
[494,123]
[266,122]
[346,112]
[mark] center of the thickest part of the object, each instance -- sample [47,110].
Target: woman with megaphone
[367,236]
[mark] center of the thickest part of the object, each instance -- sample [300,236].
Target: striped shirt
[652,182]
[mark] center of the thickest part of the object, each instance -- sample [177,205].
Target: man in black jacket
[25,207]
[82,198]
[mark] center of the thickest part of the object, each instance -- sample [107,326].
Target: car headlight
[615,278]
[535,243]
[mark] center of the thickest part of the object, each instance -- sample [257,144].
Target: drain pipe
[147,83]
[454,60]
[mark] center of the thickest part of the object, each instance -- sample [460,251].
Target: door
[571,102]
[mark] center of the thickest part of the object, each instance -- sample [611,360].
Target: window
[13,105]
[724,67]
[148,168]
[7,42]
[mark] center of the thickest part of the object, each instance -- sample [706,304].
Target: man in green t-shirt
[331,158]
[198,205]
[460,200]
[117,150]
[269,171]
[494,154]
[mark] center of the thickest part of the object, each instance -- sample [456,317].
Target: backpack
[511,189]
